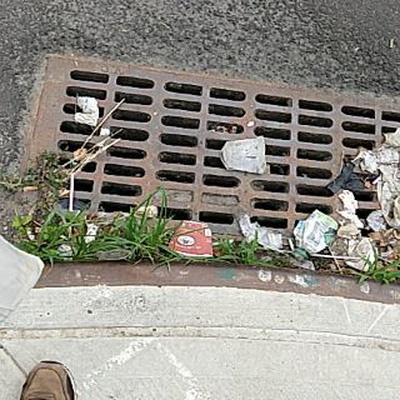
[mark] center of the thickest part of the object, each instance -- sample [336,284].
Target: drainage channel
[173,125]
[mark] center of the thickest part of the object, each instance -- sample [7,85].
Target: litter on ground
[267,238]
[247,155]
[90,111]
[193,239]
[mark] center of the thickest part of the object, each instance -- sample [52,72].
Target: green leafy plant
[385,273]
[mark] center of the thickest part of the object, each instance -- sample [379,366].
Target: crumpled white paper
[376,221]
[247,155]
[386,161]
[90,111]
[350,206]
[316,232]
[266,237]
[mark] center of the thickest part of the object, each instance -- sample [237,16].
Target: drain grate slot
[314,173]
[75,91]
[122,152]
[391,116]
[358,112]
[132,98]
[109,206]
[178,140]
[135,82]
[120,189]
[356,127]
[274,100]
[314,155]
[279,169]
[272,133]
[181,122]
[175,213]
[173,127]
[214,144]
[270,204]
[74,127]
[226,110]
[314,138]
[177,158]
[308,190]
[353,143]
[305,208]
[183,88]
[315,121]
[174,176]
[213,162]
[83,185]
[315,105]
[216,218]
[274,116]
[134,135]
[223,127]
[220,200]
[126,115]
[124,170]
[222,181]
[193,106]
[89,76]
[270,222]
[270,186]
[226,94]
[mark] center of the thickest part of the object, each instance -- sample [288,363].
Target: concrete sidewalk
[204,343]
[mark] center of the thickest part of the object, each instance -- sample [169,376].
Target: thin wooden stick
[71,192]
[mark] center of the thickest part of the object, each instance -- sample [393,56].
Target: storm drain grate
[173,126]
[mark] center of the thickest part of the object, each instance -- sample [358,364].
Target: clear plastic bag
[19,272]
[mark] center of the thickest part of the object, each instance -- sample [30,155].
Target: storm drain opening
[173,126]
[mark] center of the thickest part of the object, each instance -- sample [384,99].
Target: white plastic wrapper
[267,238]
[350,206]
[19,272]
[247,155]
[90,111]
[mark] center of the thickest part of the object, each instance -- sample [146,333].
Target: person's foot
[49,380]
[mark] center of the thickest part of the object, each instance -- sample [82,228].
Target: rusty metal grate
[175,124]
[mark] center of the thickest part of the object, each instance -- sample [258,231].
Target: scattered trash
[104,132]
[90,111]
[304,264]
[376,221]
[347,179]
[316,232]
[192,239]
[301,259]
[348,231]
[65,251]
[386,161]
[266,237]
[365,250]
[247,155]
[19,272]
[350,206]
[148,211]
[227,128]
[91,232]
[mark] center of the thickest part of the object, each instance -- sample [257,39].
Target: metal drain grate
[174,125]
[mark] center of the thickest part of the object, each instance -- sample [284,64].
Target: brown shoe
[49,380]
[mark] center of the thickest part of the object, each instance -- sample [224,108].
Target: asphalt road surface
[349,45]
